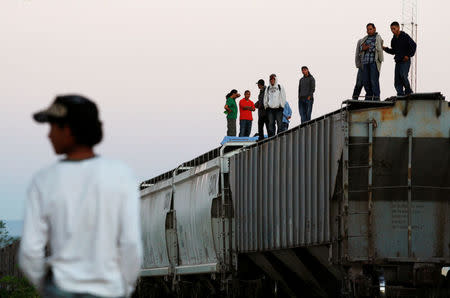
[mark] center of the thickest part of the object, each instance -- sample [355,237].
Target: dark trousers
[274,116]
[358,85]
[231,127]
[245,128]
[371,81]
[284,126]
[305,109]
[262,120]
[401,81]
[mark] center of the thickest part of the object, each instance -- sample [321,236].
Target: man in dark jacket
[403,47]
[306,88]
[262,116]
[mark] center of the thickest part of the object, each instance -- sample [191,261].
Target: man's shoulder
[116,170]
[404,34]
[46,171]
[114,164]
[99,161]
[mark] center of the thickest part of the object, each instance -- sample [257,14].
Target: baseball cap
[260,82]
[68,108]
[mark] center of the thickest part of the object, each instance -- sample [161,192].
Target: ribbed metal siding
[281,188]
[195,190]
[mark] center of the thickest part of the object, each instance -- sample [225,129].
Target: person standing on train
[262,115]
[306,89]
[359,77]
[246,107]
[274,101]
[231,110]
[287,113]
[371,52]
[85,207]
[403,47]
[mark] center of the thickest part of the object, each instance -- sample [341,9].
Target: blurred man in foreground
[85,208]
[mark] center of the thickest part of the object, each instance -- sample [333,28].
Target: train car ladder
[347,125]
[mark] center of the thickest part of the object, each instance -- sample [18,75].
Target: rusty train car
[353,203]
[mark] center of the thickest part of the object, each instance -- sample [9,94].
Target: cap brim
[55,111]
[41,117]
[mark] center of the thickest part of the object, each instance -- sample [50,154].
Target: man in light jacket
[371,52]
[274,101]
[359,77]
[306,89]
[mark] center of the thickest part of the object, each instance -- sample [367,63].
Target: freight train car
[354,203]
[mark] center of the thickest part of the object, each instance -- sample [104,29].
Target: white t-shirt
[88,212]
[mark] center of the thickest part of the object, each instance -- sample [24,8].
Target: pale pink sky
[159,70]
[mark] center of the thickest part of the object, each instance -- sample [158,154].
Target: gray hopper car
[354,203]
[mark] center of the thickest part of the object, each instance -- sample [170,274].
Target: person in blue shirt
[287,113]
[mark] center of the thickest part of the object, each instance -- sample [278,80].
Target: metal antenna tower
[409,25]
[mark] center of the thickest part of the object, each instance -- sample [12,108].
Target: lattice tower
[409,25]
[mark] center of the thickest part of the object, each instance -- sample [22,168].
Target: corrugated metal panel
[154,207]
[194,192]
[282,188]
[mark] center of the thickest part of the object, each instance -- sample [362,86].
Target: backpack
[279,88]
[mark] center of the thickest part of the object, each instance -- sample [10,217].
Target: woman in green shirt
[231,112]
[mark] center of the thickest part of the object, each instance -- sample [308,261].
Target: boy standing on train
[287,113]
[85,208]
[262,115]
[274,101]
[306,89]
[403,47]
[246,107]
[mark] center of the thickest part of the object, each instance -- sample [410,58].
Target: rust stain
[387,114]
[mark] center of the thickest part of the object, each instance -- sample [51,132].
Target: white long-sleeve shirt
[88,212]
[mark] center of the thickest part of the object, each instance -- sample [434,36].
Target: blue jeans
[359,85]
[274,116]
[401,78]
[371,81]
[245,128]
[51,290]
[305,109]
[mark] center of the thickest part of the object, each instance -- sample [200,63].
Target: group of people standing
[274,111]
[369,57]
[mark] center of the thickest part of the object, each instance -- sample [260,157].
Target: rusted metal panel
[282,188]
[410,186]
[391,122]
